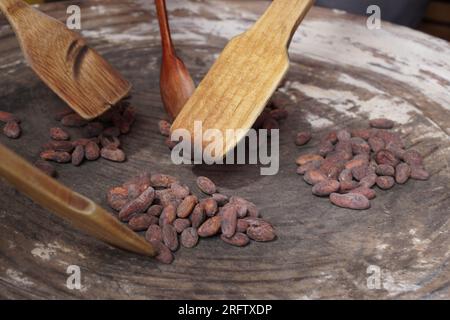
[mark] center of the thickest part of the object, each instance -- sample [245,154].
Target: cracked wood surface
[341,74]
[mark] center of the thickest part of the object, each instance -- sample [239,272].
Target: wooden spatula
[176,83]
[80,211]
[61,58]
[242,80]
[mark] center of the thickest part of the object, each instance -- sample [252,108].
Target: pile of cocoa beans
[349,164]
[100,138]
[11,129]
[170,215]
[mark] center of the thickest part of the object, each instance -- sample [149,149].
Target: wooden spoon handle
[79,210]
[164,27]
[281,19]
[8,6]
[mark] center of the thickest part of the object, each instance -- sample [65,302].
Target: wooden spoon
[244,77]
[80,211]
[62,59]
[176,83]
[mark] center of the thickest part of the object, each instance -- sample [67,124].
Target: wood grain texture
[341,74]
[63,60]
[241,81]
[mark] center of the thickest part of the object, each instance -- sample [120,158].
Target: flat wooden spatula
[244,77]
[62,59]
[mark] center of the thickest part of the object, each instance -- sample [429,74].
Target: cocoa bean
[343,135]
[270,124]
[220,199]
[206,185]
[170,237]
[113,154]
[166,197]
[385,170]
[344,149]
[325,147]
[12,130]
[8,117]
[362,133]
[189,238]
[93,129]
[413,158]
[155,210]
[92,151]
[109,142]
[83,142]
[331,169]
[111,132]
[368,181]
[181,224]
[309,166]
[368,193]
[356,163]
[137,185]
[60,146]
[56,156]
[325,188]
[419,173]
[78,156]
[359,145]
[376,144]
[279,114]
[385,182]
[179,191]
[242,226]
[350,201]
[73,120]
[164,255]
[386,157]
[62,113]
[303,138]
[154,233]
[395,149]
[238,239]
[331,137]
[45,167]
[313,177]
[402,173]
[252,209]
[142,222]
[390,138]
[304,159]
[186,206]
[162,180]
[229,220]
[59,134]
[164,128]
[198,216]
[168,215]
[262,232]
[117,198]
[138,205]
[210,206]
[382,123]
[210,227]
[360,172]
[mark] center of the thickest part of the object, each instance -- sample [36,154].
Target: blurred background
[430,16]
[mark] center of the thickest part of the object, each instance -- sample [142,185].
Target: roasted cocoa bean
[84,141]
[93,129]
[168,215]
[376,144]
[137,185]
[198,216]
[220,199]
[419,173]
[181,224]
[309,166]
[368,181]
[313,177]
[402,173]
[304,159]
[113,154]
[189,238]
[331,137]
[229,220]
[385,182]
[154,233]
[413,158]
[325,188]
[350,201]
[210,227]
[164,128]
[368,193]
[343,135]
[262,232]
[170,237]
[117,198]
[56,156]
[166,197]
[59,115]
[362,133]
[359,145]
[45,167]
[331,169]
[186,206]
[252,209]
[356,163]
[270,124]
[238,239]
[59,134]
[12,130]
[242,226]
[303,138]
[164,255]
[92,151]
[109,142]
[206,185]
[360,172]
[141,222]
[382,123]
[390,138]
[344,150]
[60,146]
[279,114]
[179,191]
[325,147]
[386,157]
[385,170]
[78,156]
[162,180]
[155,210]
[138,205]
[111,132]
[8,117]
[210,206]
[73,120]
